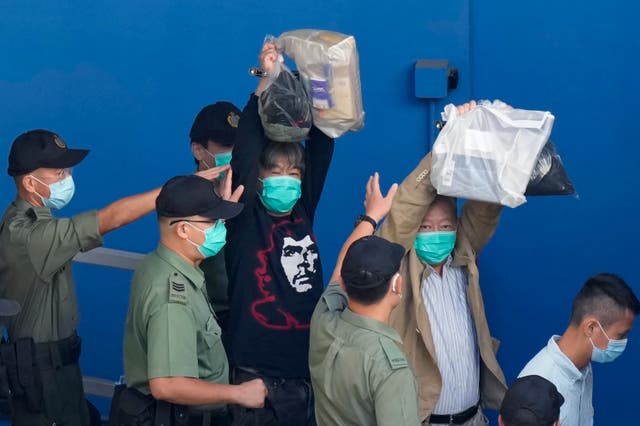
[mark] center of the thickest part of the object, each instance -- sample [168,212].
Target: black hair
[450,202]
[605,296]
[293,152]
[366,287]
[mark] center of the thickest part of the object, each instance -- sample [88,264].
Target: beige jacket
[475,228]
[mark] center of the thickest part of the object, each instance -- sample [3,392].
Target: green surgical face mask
[215,238]
[434,247]
[280,193]
[222,158]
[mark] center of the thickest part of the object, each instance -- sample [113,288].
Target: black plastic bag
[284,108]
[549,176]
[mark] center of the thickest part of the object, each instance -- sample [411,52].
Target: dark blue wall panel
[126,80]
[578,60]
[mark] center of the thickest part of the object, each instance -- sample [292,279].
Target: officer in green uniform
[36,250]
[359,375]
[212,137]
[173,354]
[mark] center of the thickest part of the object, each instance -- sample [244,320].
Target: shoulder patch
[394,355]
[178,288]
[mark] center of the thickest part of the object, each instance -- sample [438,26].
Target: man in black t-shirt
[273,264]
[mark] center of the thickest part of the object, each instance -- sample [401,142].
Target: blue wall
[126,80]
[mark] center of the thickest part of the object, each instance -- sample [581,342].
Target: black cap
[371,261]
[217,122]
[531,401]
[191,195]
[41,148]
[8,308]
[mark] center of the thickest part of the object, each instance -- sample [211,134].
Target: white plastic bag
[488,153]
[328,66]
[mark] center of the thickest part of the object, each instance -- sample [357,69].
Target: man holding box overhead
[441,318]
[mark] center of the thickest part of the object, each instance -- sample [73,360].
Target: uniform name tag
[177,289]
[394,355]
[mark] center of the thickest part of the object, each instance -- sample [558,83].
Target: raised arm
[478,223]
[415,195]
[129,209]
[318,153]
[250,137]
[376,206]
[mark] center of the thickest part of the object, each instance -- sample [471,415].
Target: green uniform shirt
[36,250]
[171,330]
[359,375]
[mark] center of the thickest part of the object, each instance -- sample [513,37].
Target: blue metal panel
[127,78]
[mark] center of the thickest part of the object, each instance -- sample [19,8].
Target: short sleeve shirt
[359,375]
[36,250]
[171,330]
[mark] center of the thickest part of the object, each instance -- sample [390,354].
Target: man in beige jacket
[441,319]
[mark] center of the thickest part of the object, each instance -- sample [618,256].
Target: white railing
[114,259]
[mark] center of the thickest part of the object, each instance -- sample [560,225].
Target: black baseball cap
[217,122]
[41,148]
[371,261]
[531,401]
[191,195]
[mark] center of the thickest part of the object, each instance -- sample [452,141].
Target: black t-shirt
[273,263]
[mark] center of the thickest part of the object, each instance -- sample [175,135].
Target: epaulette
[178,288]
[394,355]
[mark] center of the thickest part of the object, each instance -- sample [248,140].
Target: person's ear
[28,183]
[588,325]
[196,150]
[396,284]
[180,230]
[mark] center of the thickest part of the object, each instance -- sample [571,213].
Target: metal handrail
[112,258]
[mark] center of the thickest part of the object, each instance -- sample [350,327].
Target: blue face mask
[434,247]
[60,193]
[280,193]
[613,351]
[215,238]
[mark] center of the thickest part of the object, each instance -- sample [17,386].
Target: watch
[365,218]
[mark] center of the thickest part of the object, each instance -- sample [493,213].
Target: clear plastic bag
[489,153]
[549,176]
[284,106]
[328,66]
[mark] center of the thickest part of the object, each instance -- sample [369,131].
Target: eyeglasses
[58,174]
[173,222]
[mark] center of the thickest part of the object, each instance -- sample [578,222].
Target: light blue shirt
[454,338]
[576,386]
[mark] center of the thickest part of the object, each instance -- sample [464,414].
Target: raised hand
[225,188]
[376,205]
[213,173]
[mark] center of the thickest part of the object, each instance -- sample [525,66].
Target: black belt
[216,417]
[454,419]
[58,353]
[167,413]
